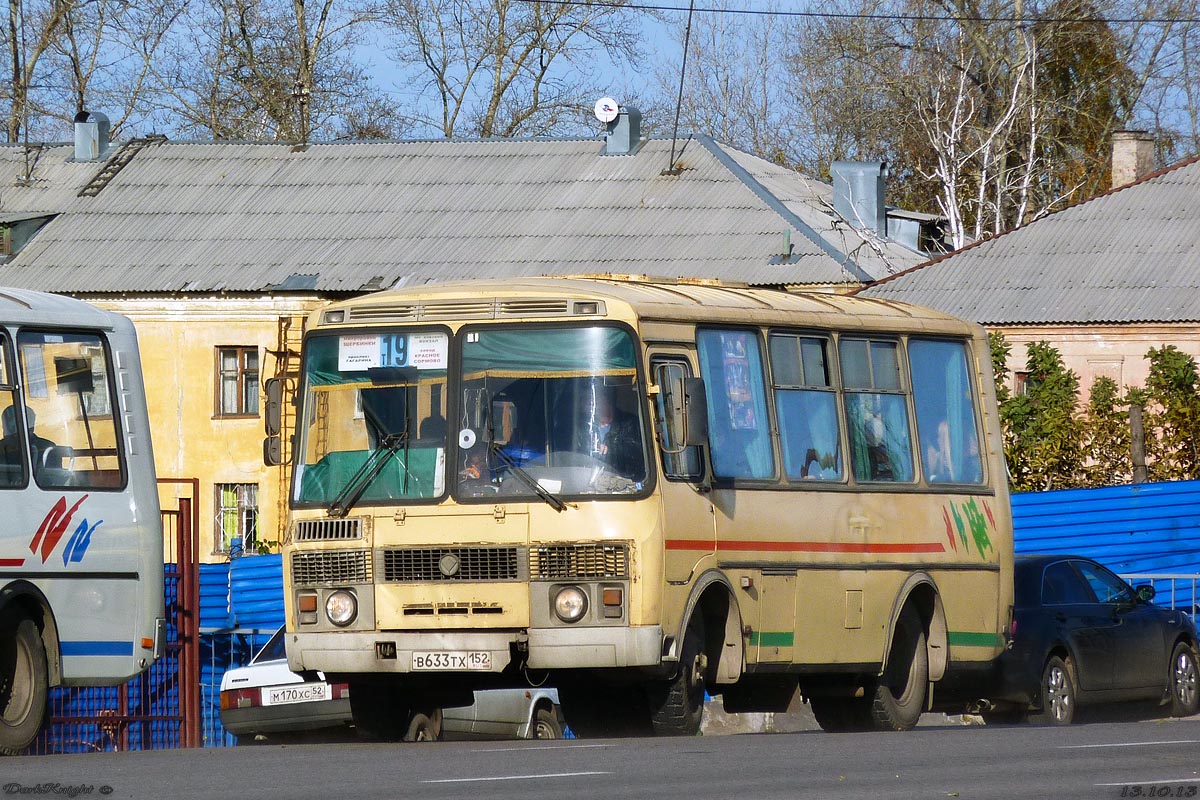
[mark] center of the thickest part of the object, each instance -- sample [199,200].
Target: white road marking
[517,777]
[1124,744]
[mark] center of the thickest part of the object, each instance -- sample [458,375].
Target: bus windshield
[549,409]
[375,418]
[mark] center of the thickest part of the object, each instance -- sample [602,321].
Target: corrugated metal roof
[1131,255]
[251,217]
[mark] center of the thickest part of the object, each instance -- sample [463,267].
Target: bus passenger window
[807,408]
[945,405]
[732,368]
[876,411]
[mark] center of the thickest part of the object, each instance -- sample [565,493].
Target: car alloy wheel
[1058,693]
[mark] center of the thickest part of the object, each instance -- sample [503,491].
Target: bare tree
[734,83]
[504,67]
[993,112]
[33,28]
[280,70]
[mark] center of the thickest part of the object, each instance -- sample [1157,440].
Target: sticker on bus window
[419,350]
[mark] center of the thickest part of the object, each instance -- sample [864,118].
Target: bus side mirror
[694,422]
[273,412]
[273,421]
[272,451]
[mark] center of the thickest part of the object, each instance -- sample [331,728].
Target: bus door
[689,529]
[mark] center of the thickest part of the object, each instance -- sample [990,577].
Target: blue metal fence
[1149,532]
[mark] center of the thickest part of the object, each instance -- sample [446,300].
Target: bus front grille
[327,530]
[331,566]
[413,565]
[578,561]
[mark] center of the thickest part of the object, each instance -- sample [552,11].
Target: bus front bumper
[480,651]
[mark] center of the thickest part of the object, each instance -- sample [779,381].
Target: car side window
[1061,585]
[1109,589]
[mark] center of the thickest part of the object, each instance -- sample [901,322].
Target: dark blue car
[1081,635]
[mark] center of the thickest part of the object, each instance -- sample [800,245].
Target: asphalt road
[1098,759]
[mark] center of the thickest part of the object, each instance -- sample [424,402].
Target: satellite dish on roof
[607,109]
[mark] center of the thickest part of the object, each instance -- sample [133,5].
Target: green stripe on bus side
[772,638]
[974,639]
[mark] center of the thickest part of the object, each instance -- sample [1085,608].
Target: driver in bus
[10,445]
[608,434]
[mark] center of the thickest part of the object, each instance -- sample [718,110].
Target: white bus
[641,491]
[81,548]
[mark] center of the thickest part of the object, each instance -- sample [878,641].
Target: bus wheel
[424,726]
[379,713]
[841,714]
[677,705]
[24,687]
[900,694]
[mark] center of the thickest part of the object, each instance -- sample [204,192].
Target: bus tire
[677,705]
[900,694]
[424,726]
[24,685]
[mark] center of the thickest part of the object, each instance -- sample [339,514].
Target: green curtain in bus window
[738,428]
[946,427]
[567,351]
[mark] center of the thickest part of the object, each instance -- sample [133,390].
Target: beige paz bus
[642,492]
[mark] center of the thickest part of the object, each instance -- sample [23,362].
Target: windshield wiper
[364,475]
[527,479]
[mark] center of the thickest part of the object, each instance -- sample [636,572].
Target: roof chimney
[91,135]
[623,135]
[1132,156]
[858,193]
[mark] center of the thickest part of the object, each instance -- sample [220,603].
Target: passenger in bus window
[10,445]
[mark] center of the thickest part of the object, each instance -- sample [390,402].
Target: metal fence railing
[1173,590]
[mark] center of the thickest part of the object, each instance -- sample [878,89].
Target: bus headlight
[570,604]
[341,607]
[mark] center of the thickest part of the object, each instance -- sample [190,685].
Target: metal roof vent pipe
[91,135]
[858,188]
[623,134]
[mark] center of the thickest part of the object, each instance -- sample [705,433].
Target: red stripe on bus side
[11,562]
[809,547]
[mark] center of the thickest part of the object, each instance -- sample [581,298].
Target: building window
[237,381]
[1020,384]
[237,518]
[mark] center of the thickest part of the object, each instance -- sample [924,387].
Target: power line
[753,12]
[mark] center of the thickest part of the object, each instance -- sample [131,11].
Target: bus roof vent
[536,307]
[457,309]
[388,313]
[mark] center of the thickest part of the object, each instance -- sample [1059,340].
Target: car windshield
[548,412]
[375,414]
